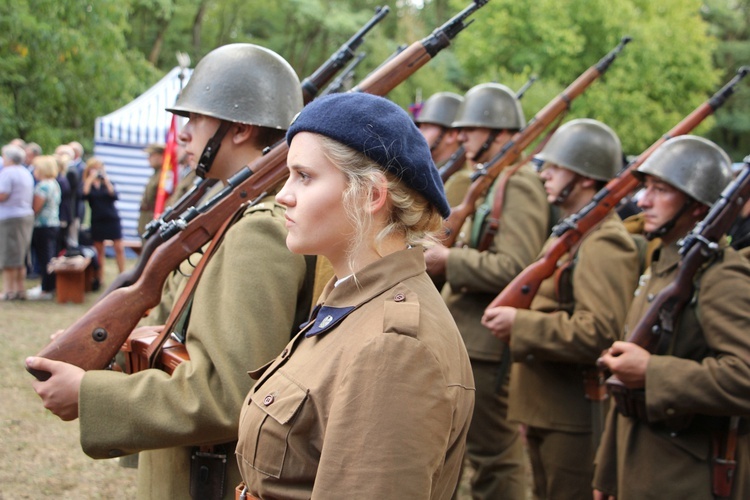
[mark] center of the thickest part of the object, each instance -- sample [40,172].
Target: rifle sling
[493,219]
[185,299]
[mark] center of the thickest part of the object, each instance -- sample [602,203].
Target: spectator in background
[105,221]
[67,154]
[148,202]
[32,150]
[16,221]
[46,223]
[68,185]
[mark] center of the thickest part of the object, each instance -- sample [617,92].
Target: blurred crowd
[43,215]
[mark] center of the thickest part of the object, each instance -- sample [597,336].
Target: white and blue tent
[121,136]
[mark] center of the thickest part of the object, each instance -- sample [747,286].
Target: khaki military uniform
[371,400]
[554,345]
[473,279]
[242,316]
[148,201]
[183,186]
[706,371]
[457,185]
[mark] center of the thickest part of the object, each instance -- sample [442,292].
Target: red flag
[168,178]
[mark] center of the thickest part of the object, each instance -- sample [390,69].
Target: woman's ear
[379,198]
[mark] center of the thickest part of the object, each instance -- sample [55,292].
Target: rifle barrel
[93,340]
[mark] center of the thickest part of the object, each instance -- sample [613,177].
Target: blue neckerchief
[326,319]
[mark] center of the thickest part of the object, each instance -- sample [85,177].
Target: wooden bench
[74,277]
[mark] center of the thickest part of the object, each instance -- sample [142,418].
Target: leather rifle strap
[184,299]
[493,219]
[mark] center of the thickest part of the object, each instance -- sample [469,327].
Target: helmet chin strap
[486,146]
[566,190]
[211,149]
[439,139]
[667,226]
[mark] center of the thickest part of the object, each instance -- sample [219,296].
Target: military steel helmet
[243,83]
[586,147]
[490,105]
[694,165]
[440,109]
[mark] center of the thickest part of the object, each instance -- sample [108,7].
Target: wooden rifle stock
[654,330]
[93,340]
[312,84]
[512,151]
[152,238]
[521,291]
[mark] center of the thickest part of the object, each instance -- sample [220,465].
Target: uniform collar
[665,259]
[336,303]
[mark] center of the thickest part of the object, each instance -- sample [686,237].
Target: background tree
[62,63]
[729,22]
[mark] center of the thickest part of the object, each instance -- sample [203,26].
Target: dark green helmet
[440,109]
[490,105]
[587,147]
[243,83]
[694,165]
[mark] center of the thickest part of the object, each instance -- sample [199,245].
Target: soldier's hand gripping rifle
[92,341]
[655,329]
[458,158]
[310,86]
[521,291]
[512,150]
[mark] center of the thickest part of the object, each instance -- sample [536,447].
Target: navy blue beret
[380,130]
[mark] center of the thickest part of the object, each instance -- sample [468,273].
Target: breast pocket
[266,422]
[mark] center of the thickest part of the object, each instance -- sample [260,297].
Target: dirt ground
[41,454]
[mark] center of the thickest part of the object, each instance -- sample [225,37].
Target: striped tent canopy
[121,136]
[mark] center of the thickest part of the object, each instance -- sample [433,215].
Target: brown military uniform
[705,373]
[474,278]
[371,400]
[242,316]
[575,316]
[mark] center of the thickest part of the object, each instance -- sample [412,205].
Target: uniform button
[115,453]
[284,353]
[670,411]
[650,297]
[268,400]
[399,297]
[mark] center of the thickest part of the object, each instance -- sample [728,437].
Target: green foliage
[62,64]
[652,84]
[730,24]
